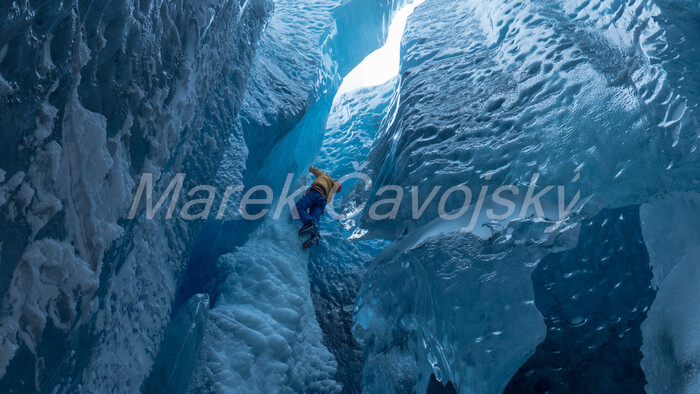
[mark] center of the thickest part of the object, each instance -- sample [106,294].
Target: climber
[312,205]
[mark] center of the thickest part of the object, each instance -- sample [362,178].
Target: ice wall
[173,367]
[510,89]
[93,94]
[352,125]
[447,308]
[671,347]
[588,95]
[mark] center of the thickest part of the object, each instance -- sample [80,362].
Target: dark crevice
[594,299]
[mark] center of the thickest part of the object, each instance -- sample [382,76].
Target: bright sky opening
[383,64]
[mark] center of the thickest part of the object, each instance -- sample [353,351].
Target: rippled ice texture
[512,88]
[490,93]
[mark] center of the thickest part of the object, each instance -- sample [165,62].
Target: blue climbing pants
[311,206]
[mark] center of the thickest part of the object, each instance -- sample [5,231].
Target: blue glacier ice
[593,299]
[670,228]
[597,98]
[587,95]
[93,95]
[173,367]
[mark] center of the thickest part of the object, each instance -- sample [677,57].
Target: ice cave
[519,210]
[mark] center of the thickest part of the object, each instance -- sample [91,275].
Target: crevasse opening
[383,64]
[283,325]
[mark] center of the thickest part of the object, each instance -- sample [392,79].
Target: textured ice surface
[671,348]
[92,95]
[354,120]
[448,307]
[262,335]
[336,271]
[488,94]
[454,304]
[511,88]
